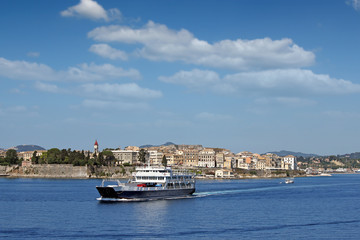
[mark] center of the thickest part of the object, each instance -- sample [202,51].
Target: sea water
[311,208]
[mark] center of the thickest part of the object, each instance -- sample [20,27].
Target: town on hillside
[223,161]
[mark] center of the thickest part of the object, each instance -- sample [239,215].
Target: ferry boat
[149,183]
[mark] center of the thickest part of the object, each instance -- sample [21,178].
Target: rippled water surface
[311,208]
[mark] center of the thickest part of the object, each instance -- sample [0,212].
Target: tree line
[64,156]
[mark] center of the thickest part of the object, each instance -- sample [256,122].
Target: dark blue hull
[110,193]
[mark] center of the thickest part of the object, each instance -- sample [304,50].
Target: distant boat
[289,181]
[325,174]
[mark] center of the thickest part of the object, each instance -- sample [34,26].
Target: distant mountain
[25,148]
[284,153]
[165,144]
[355,155]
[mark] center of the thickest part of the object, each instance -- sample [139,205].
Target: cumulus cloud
[355,4]
[92,10]
[94,72]
[104,50]
[45,87]
[23,70]
[163,44]
[193,79]
[283,81]
[291,80]
[101,104]
[115,91]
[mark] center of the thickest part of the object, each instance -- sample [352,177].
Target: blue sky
[243,75]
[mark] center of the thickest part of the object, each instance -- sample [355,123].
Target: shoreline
[67,171]
[126,178]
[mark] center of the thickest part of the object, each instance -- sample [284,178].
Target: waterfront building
[125,156]
[290,162]
[179,158]
[29,154]
[191,157]
[155,157]
[229,162]
[207,158]
[261,164]
[224,173]
[170,159]
[240,163]
[219,160]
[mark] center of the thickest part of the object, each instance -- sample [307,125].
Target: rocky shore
[85,172]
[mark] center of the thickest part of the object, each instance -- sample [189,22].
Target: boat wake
[223,192]
[270,188]
[110,200]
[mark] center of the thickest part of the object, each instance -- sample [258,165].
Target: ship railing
[182,172]
[111,180]
[132,188]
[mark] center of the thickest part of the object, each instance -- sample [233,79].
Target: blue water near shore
[311,208]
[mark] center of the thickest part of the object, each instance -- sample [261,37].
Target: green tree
[35,158]
[11,156]
[53,156]
[142,155]
[164,161]
[108,157]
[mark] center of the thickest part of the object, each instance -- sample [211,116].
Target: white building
[207,158]
[155,157]
[290,162]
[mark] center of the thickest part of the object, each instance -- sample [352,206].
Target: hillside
[24,148]
[165,144]
[284,153]
[355,155]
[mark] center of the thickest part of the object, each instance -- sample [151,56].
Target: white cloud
[355,4]
[280,81]
[193,79]
[163,44]
[206,116]
[114,91]
[287,101]
[47,87]
[292,81]
[18,111]
[92,10]
[22,70]
[93,72]
[104,50]
[106,105]
[33,54]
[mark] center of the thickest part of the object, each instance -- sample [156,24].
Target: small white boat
[289,181]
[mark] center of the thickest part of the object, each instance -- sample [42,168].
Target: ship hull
[111,193]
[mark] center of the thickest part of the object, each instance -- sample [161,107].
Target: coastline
[67,171]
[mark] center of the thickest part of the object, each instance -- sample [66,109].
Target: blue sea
[311,208]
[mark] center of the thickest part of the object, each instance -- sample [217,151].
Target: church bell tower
[96,148]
